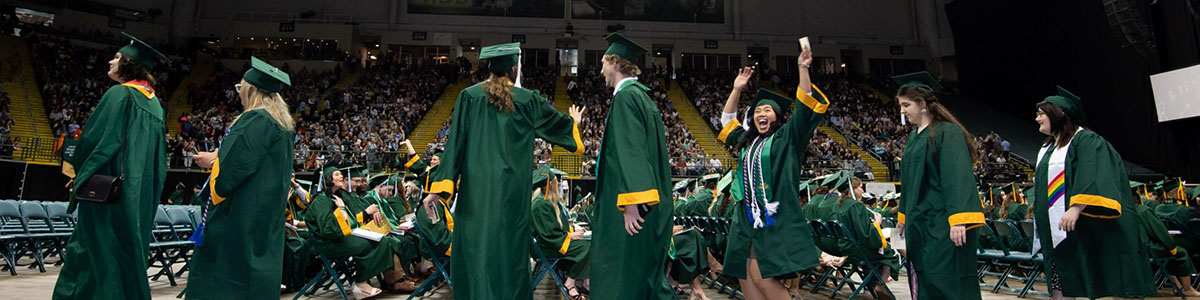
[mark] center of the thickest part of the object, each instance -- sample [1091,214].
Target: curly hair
[624,65]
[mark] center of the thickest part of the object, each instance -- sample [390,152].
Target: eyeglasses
[237,87]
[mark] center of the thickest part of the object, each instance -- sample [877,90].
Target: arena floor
[29,284]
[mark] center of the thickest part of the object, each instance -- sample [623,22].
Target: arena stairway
[561,158]
[345,83]
[705,136]
[28,112]
[878,169]
[177,104]
[439,112]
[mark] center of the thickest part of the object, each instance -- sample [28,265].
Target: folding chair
[42,241]
[545,266]
[834,275]
[1031,263]
[440,263]
[863,267]
[167,247]
[329,272]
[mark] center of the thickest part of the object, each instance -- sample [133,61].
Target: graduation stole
[141,86]
[753,179]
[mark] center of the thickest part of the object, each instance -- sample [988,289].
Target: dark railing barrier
[28,148]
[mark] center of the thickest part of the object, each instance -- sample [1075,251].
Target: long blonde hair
[554,195]
[254,98]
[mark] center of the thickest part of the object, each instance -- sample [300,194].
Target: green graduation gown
[244,235]
[491,152]
[107,253]
[691,256]
[1106,253]
[438,235]
[698,205]
[332,226]
[861,222]
[1015,214]
[785,247]
[1162,245]
[1179,215]
[554,239]
[632,173]
[939,191]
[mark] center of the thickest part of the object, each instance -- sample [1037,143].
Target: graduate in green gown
[177,196]
[1093,246]
[490,148]
[556,235]
[297,254]
[633,208]
[107,253]
[381,191]
[770,238]
[244,232]
[332,217]
[864,225]
[939,202]
[1162,245]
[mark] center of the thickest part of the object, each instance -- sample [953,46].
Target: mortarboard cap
[625,48]
[1070,104]
[142,53]
[266,77]
[921,79]
[501,57]
[776,101]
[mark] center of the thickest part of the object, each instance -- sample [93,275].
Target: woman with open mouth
[770,239]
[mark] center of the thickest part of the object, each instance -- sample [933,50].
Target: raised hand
[576,113]
[743,78]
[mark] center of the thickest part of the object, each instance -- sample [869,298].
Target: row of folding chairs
[712,228]
[1005,262]
[33,229]
[857,273]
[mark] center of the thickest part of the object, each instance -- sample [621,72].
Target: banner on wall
[686,11]
[494,8]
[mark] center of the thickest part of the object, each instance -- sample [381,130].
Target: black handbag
[100,189]
[104,189]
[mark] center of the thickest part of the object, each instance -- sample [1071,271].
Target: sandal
[577,294]
[361,295]
[403,286]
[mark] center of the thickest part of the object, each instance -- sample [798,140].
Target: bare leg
[697,290]
[1187,286]
[771,288]
[749,289]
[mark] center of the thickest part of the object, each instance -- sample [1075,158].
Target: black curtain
[1012,54]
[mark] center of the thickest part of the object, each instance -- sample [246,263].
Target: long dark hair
[129,70]
[939,113]
[1062,128]
[752,133]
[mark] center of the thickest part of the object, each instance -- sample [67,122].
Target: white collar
[619,83]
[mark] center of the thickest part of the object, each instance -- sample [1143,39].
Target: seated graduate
[556,235]
[334,214]
[1162,245]
[865,226]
